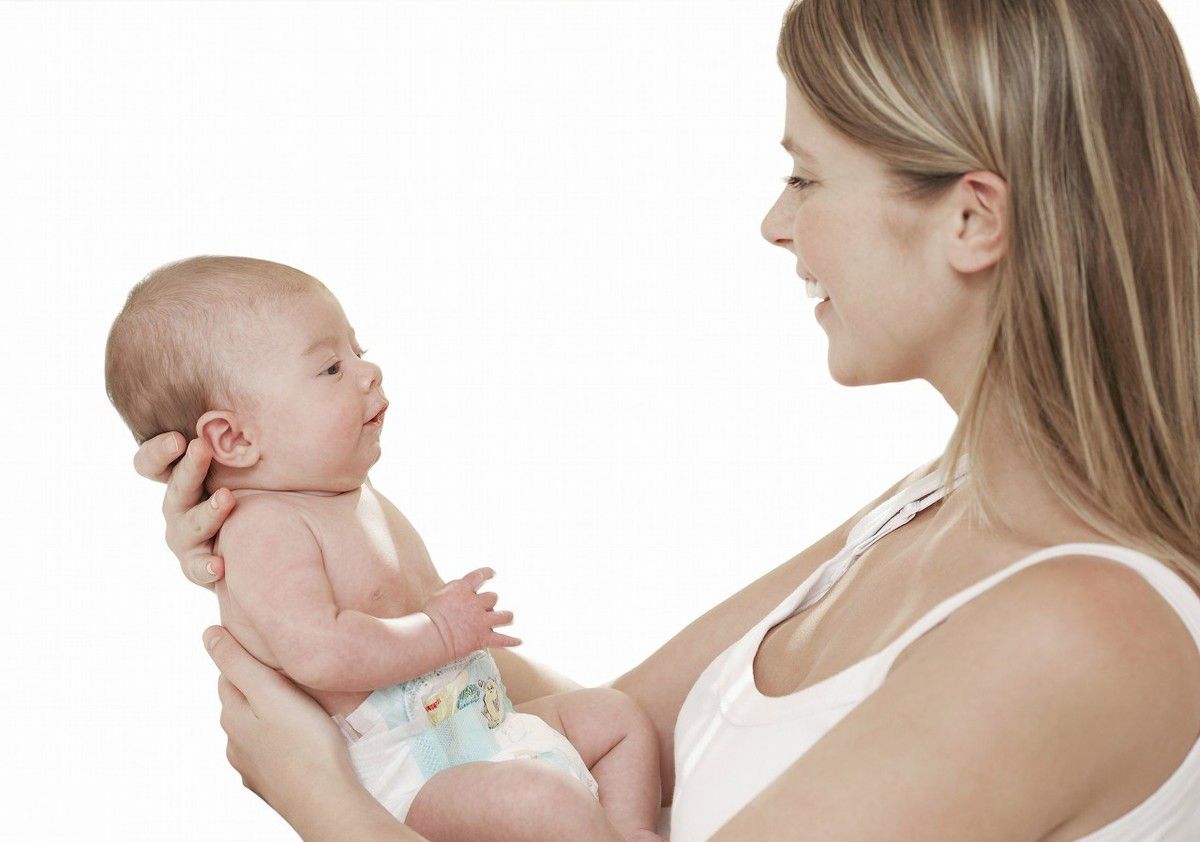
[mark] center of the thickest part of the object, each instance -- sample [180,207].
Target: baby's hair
[173,349]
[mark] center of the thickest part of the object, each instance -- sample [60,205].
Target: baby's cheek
[351,423]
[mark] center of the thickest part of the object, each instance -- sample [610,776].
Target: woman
[1000,199]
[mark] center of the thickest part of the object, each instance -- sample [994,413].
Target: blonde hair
[173,349]
[1086,108]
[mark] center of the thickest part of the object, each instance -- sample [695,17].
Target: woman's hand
[288,750]
[192,521]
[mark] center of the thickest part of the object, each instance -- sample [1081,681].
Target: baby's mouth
[378,419]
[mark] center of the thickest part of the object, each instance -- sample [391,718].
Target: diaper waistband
[420,703]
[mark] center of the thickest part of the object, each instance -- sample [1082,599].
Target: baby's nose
[372,377]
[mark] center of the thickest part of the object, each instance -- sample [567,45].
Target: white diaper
[456,714]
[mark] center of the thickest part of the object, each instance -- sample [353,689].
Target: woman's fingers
[260,686]
[191,524]
[154,457]
[233,703]
[189,535]
[203,569]
[186,485]
[191,541]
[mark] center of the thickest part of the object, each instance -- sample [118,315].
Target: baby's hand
[465,619]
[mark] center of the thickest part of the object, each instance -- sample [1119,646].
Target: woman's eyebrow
[791,146]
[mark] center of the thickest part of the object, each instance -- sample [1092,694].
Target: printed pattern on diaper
[461,713]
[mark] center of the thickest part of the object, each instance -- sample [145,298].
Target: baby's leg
[616,740]
[510,801]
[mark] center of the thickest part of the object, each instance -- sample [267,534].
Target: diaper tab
[441,704]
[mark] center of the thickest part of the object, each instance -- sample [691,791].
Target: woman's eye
[796,181]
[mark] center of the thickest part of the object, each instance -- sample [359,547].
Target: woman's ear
[231,441]
[978,238]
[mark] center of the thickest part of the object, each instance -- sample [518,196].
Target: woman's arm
[661,682]
[526,679]
[290,753]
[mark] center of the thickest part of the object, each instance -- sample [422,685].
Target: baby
[326,581]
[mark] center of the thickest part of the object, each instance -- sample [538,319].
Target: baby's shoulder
[261,513]
[255,503]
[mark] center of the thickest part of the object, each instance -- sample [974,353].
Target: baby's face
[318,420]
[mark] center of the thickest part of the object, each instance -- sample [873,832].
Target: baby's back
[374,560]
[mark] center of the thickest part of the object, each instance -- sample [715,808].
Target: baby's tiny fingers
[488,600]
[498,639]
[477,577]
[501,618]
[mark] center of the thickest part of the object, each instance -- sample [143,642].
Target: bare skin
[611,734]
[1056,655]
[661,682]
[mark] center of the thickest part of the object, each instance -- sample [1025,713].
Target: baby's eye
[337,366]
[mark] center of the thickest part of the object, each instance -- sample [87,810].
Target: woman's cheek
[816,246]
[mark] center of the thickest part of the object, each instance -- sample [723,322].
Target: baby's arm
[275,572]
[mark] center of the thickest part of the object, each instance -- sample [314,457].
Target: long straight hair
[1086,108]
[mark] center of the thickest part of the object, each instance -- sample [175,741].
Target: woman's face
[899,307]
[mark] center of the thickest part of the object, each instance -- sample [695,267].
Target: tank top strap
[892,513]
[912,496]
[1173,589]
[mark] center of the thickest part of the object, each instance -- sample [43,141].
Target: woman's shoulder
[1096,609]
[1046,706]
[1095,660]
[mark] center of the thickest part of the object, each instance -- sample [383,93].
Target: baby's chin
[339,483]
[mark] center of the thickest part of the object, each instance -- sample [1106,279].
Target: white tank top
[731,741]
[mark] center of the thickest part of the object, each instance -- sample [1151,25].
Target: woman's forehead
[804,133]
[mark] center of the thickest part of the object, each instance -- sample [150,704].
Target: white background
[542,219]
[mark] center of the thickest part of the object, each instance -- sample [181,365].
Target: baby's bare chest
[374,560]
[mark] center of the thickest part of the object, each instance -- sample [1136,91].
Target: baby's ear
[226,434]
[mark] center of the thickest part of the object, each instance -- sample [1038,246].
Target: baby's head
[256,358]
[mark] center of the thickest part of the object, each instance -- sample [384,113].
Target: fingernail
[214,501]
[170,445]
[210,639]
[210,570]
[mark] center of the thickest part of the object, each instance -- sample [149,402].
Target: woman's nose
[774,227]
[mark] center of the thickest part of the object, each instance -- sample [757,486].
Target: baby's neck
[242,480]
